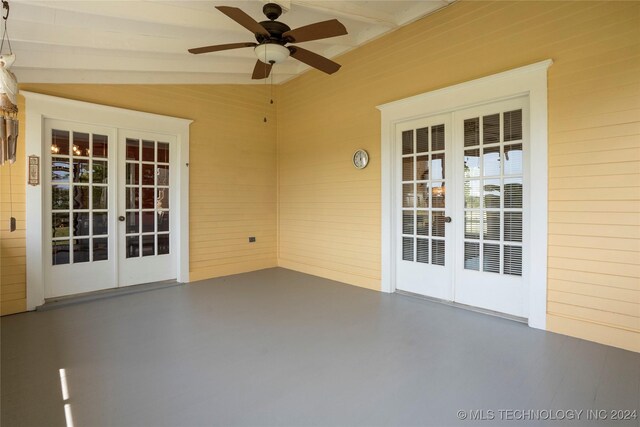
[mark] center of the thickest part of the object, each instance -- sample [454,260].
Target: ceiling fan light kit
[271,53]
[272,36]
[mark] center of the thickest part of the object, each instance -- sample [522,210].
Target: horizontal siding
[329,213]
[12,244]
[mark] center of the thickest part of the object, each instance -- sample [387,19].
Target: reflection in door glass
[79,197]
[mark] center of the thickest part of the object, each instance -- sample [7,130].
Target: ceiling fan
[272,36]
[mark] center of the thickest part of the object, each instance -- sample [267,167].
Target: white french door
[424,261]
[461,209]
[108,202]
[145,203]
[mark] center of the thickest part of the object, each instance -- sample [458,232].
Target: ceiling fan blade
[219,47]
[319,30]
[243,19]
[261,70]
[314,60]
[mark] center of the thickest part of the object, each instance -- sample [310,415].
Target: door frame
[40,107]
[531,81]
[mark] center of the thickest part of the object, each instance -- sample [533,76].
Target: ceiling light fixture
[273,53]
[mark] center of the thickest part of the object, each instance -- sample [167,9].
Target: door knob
[120,218]
[447,219]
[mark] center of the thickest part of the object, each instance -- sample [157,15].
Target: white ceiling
[126,41]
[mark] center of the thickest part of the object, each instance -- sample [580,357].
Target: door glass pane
[471,132]
[148,151]
[60,252]
[132,248]
[422,250]
[80,250]
[491,161]
[491,222]
[80,197]
[491,258]
[163,221]
[423,195]
[512,260]
[81,170]
[148,174]
[60,142]
[437,220]
[133,149]
[513,226]
[513,159]
[422,223]
[407,169]
[148,245]
[163,152]
[407,142]
[148,198]
[407,248]
[132,174]
[408,197]
[80,224]
[491,129]
[438,191]
[100,172]
[437,166]
[437,138]
[59,197]
[148,222]
[60,224]
[437,252]
[407,222]
[100,146]
[163,244]
[132,225]
[422,140]
[513,125]
[60,169]
[422,168]
[513,193]
[471,163]
[472,256]
[100,249]
[163,174]
[100,223]
[100,200]
[491,193]
[472,194]
[81,144]
[132,201]
[163,198]
[472,225]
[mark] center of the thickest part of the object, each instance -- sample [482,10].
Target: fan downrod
[272,11]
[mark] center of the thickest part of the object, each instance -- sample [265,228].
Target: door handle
[447,219]
[120,218]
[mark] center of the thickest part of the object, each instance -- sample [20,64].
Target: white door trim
[529,80]
[40,107]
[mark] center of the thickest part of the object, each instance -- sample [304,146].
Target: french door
[108,200]
[462,206]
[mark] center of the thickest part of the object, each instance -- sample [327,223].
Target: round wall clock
[360,159]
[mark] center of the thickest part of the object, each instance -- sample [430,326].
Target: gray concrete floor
[280,348]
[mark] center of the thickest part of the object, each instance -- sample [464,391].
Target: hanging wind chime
[8,107]
[8,96]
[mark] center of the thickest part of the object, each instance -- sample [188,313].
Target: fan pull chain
[265,82]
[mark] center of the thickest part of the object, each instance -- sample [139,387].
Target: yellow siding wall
[329,213]
[232,176]
[13,259]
